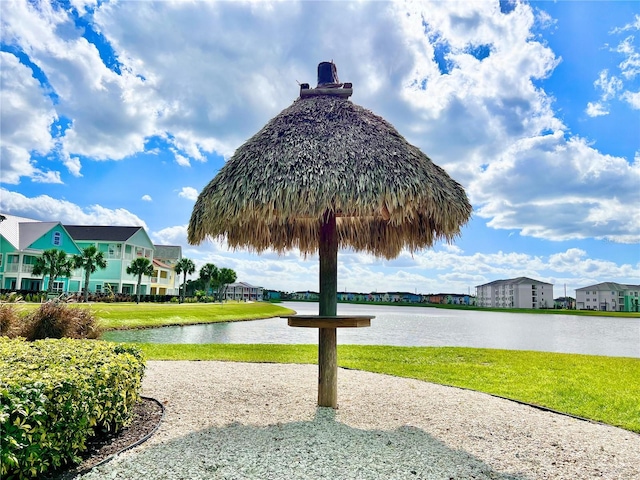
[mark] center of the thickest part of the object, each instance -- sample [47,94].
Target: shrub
[58,320]
[55,394]
[9,320]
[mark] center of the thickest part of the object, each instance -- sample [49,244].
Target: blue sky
[119,113]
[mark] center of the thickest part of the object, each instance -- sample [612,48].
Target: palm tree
[209,273]
[140,266]
[54,263]
[187,267]
[40,268]
[225,277]
[89,260]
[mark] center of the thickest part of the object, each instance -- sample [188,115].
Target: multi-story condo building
[22,241]
[164,279]
[521,292]
[243,291]
[609,296]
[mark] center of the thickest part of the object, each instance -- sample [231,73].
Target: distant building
[567,303]
[243,291]
[164,280]
[521,292]
[608,296]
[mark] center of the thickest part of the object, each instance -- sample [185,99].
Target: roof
[168,252]
[31,231]
[609,286]
[515,281]
[10,228]
[158,263]
[112,233]
[241,285]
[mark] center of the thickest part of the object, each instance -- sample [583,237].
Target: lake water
[422,326]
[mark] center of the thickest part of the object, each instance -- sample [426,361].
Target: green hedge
[55,394]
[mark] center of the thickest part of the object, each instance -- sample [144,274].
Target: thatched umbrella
[327,174]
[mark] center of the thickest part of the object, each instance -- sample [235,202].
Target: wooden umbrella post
[327,339]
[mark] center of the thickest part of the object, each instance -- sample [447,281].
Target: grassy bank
[115,316]
[538,311]
[605,389]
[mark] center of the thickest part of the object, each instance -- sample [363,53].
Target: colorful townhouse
[609,296]
[120,246]
[164,280]
[244,291]
[22,241]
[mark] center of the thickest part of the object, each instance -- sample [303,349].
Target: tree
[186,267]
[54,263]
[140,266]
[40,268]
[90,260]
[225,277]
[209,273]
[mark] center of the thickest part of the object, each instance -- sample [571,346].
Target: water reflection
[423,326]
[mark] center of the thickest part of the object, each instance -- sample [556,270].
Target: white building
[521,292]
[608,296]
[243,291]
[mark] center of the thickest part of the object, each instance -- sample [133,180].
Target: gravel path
[260,421]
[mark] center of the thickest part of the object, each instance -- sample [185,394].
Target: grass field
[604,389]
[146,315]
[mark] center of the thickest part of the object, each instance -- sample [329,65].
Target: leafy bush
[55,394]
[58,320]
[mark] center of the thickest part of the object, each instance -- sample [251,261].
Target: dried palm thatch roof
[326,154]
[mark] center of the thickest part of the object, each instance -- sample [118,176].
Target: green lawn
[145,315]
[605,389]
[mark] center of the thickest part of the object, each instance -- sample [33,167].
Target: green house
[120,246]
[22,240]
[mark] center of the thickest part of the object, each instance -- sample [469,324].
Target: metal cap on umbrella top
[325,174]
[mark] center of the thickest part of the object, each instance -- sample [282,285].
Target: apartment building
[609,296]
[521,292]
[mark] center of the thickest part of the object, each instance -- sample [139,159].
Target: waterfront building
[521,292]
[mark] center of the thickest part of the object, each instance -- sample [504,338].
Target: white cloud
[45,208]
[147,198]
[214,78]
[189,193]
[633,99]
[551,188]
[182,160]
[596,109]
[25,118]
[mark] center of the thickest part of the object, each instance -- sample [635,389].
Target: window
[98,288]
[115,250]
[58,287]
[56,239]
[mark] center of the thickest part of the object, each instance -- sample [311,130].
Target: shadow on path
[318,449]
